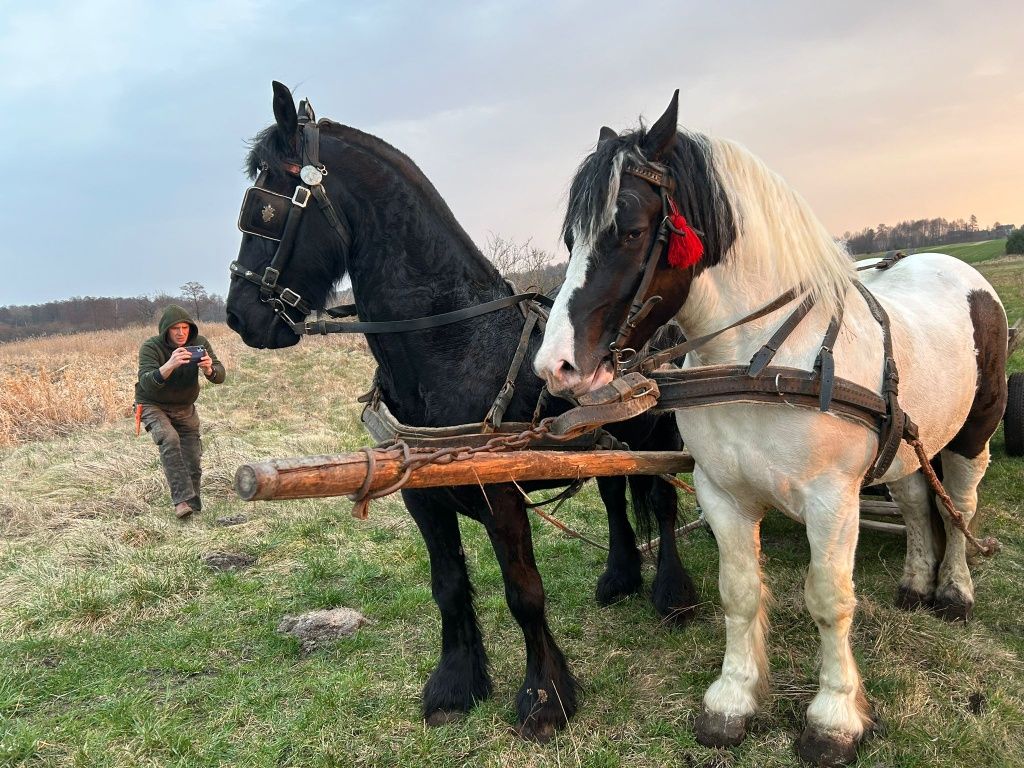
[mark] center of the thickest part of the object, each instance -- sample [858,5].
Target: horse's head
[292,253]
[625,276]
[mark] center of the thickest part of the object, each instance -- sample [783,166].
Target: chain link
[415,458]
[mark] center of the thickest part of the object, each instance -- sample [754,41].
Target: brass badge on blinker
[268,213]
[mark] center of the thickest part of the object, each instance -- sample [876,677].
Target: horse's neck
[728,292]
[781,246]
[418,267]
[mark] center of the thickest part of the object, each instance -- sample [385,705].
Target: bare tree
[196,293]
[524,264]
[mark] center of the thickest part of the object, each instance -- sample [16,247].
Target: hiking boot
[183,510]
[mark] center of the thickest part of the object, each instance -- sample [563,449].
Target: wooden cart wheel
[1013,419]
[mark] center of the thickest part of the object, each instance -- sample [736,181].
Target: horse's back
[949,341]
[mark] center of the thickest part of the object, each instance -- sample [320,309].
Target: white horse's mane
[780,241]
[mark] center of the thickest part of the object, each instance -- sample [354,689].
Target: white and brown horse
[760,239]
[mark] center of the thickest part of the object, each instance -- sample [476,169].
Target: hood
[175,314]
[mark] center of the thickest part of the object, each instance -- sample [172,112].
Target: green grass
[972,253]
[118,648]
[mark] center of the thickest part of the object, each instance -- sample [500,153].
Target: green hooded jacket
[182,386]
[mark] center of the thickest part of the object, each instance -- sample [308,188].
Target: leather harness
[758,381]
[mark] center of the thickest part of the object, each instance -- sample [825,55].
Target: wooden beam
[312,477]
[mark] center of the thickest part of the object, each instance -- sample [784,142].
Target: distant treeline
[922,232]
[87,313]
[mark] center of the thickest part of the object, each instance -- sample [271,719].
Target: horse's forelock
[265,148]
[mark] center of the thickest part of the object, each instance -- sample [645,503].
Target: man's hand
[178,358]
[206,364]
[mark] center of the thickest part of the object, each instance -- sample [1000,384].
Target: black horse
[383,223]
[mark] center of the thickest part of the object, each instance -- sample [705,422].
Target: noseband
[261,216]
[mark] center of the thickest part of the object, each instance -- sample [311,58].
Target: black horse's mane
[268,148]
[698,190]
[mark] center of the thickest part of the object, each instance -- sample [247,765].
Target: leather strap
[313,327]
[825,364]
[717,384]
[618,400]
[896,423]
[497,411]
[765,354]
[652,362]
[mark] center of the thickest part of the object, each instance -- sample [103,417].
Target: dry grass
[117,648]
[54,385]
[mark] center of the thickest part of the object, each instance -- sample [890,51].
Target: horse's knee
[829,596]
[525,596]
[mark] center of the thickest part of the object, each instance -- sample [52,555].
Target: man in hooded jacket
[166,393]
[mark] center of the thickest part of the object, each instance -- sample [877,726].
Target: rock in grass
[232,519]
[227,561]
[318,628]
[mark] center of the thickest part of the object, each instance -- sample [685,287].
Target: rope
[987,546]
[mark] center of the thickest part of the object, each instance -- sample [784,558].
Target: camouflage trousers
[175,430]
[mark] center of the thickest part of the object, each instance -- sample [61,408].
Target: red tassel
[684,246]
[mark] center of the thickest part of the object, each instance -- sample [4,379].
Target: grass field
[119,648]
[972,253]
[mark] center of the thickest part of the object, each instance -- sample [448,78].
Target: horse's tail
[653,498]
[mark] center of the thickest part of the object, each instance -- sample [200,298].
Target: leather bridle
[625,358]
[261,206]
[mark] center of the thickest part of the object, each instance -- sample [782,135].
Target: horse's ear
[662,135]
[606,133]
[284,113]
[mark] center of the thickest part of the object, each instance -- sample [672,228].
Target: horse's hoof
[908,599]
[953,607]
[676,603]
[613,587]
[716,730]
[444,717]
[827,749]
[540,733]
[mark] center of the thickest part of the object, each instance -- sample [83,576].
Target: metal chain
[415,458]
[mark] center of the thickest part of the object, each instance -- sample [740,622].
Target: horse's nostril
[233,322]
[565,368]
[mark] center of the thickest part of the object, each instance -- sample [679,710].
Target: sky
[123,123]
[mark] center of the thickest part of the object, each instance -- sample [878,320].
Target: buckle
[270,276]
[287,295]
[303,193]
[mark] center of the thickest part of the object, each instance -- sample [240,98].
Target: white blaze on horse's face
[556,361]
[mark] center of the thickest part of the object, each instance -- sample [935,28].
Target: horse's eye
[633,235]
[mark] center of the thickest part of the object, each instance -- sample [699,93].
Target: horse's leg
[954,593]
[548,696]
[965,459]
[733,698]
[672,592]
[621,576]
[460,678]
[839,712]
[917,587]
